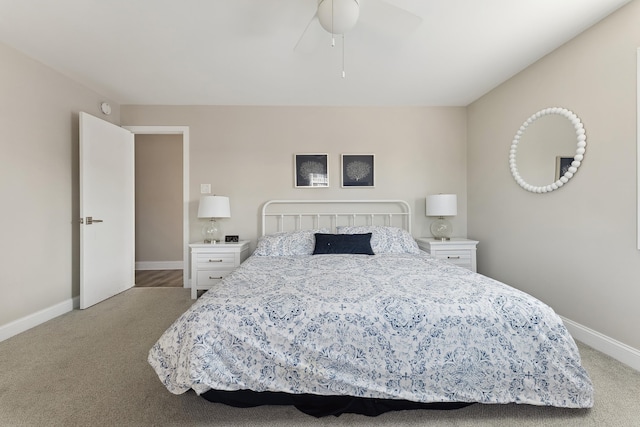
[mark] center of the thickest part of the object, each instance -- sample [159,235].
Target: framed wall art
[311,170]
[358,170]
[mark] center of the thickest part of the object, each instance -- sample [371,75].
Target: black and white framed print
[562,166]
[311,170]
[358,170]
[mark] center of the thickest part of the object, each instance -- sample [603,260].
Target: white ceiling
[241,52]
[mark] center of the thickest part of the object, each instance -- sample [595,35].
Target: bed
[334,315]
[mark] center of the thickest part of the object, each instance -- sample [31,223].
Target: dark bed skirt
[321,406]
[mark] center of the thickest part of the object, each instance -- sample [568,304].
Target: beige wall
[246,153]
[158,198]
[39,184]
[574,248]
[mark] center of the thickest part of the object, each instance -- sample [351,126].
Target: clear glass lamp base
[211,232]
[441,229]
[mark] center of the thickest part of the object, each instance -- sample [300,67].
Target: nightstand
[211,262]
[458,251]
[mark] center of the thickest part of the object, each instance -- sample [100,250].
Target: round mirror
[542,150]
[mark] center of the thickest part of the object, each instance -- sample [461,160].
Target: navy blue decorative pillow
[343,244]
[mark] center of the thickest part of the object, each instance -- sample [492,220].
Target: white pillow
[287,243]
[385,240]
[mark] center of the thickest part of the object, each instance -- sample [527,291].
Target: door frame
[184,131]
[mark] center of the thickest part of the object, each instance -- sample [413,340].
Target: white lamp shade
[338,16]
[442,205]
[214,207]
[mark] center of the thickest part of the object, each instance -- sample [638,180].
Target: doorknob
[90,220]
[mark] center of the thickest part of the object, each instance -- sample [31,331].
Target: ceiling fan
[338,17]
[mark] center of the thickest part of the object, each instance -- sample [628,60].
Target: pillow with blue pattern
[288,243]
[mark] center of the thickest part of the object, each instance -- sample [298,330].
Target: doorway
[184,132]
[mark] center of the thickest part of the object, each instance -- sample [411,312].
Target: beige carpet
[88,368]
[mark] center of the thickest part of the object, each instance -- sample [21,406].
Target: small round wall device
[105,108]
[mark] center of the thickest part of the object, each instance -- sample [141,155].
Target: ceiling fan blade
[389,19]
[311,36]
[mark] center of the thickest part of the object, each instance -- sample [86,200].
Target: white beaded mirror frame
[577,159]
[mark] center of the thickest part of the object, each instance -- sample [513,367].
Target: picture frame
[311,170]
[562,165]
[358,170]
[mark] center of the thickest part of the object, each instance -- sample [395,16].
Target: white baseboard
[607,345]
[160,265]
[35,319]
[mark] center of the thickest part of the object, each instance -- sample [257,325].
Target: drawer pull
[215,278]
[215,260]
[453,257]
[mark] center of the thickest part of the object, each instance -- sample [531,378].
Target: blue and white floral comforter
[394,326]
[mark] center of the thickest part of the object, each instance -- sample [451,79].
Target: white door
[107,203]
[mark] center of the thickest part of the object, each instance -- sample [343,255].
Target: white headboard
[290,215]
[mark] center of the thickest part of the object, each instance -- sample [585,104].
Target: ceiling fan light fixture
[338,16]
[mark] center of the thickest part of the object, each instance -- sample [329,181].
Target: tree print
[310,167]
[358,170]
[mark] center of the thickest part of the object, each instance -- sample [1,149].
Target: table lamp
[213,207]
[442,205]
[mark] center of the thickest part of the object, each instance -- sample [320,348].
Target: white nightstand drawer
[454,256]
[210,278]
[462,262]
[216,261]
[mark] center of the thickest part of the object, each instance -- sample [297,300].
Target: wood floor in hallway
[158,278]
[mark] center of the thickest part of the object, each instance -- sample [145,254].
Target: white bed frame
[292,215]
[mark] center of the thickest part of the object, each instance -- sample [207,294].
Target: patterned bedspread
[393,326]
